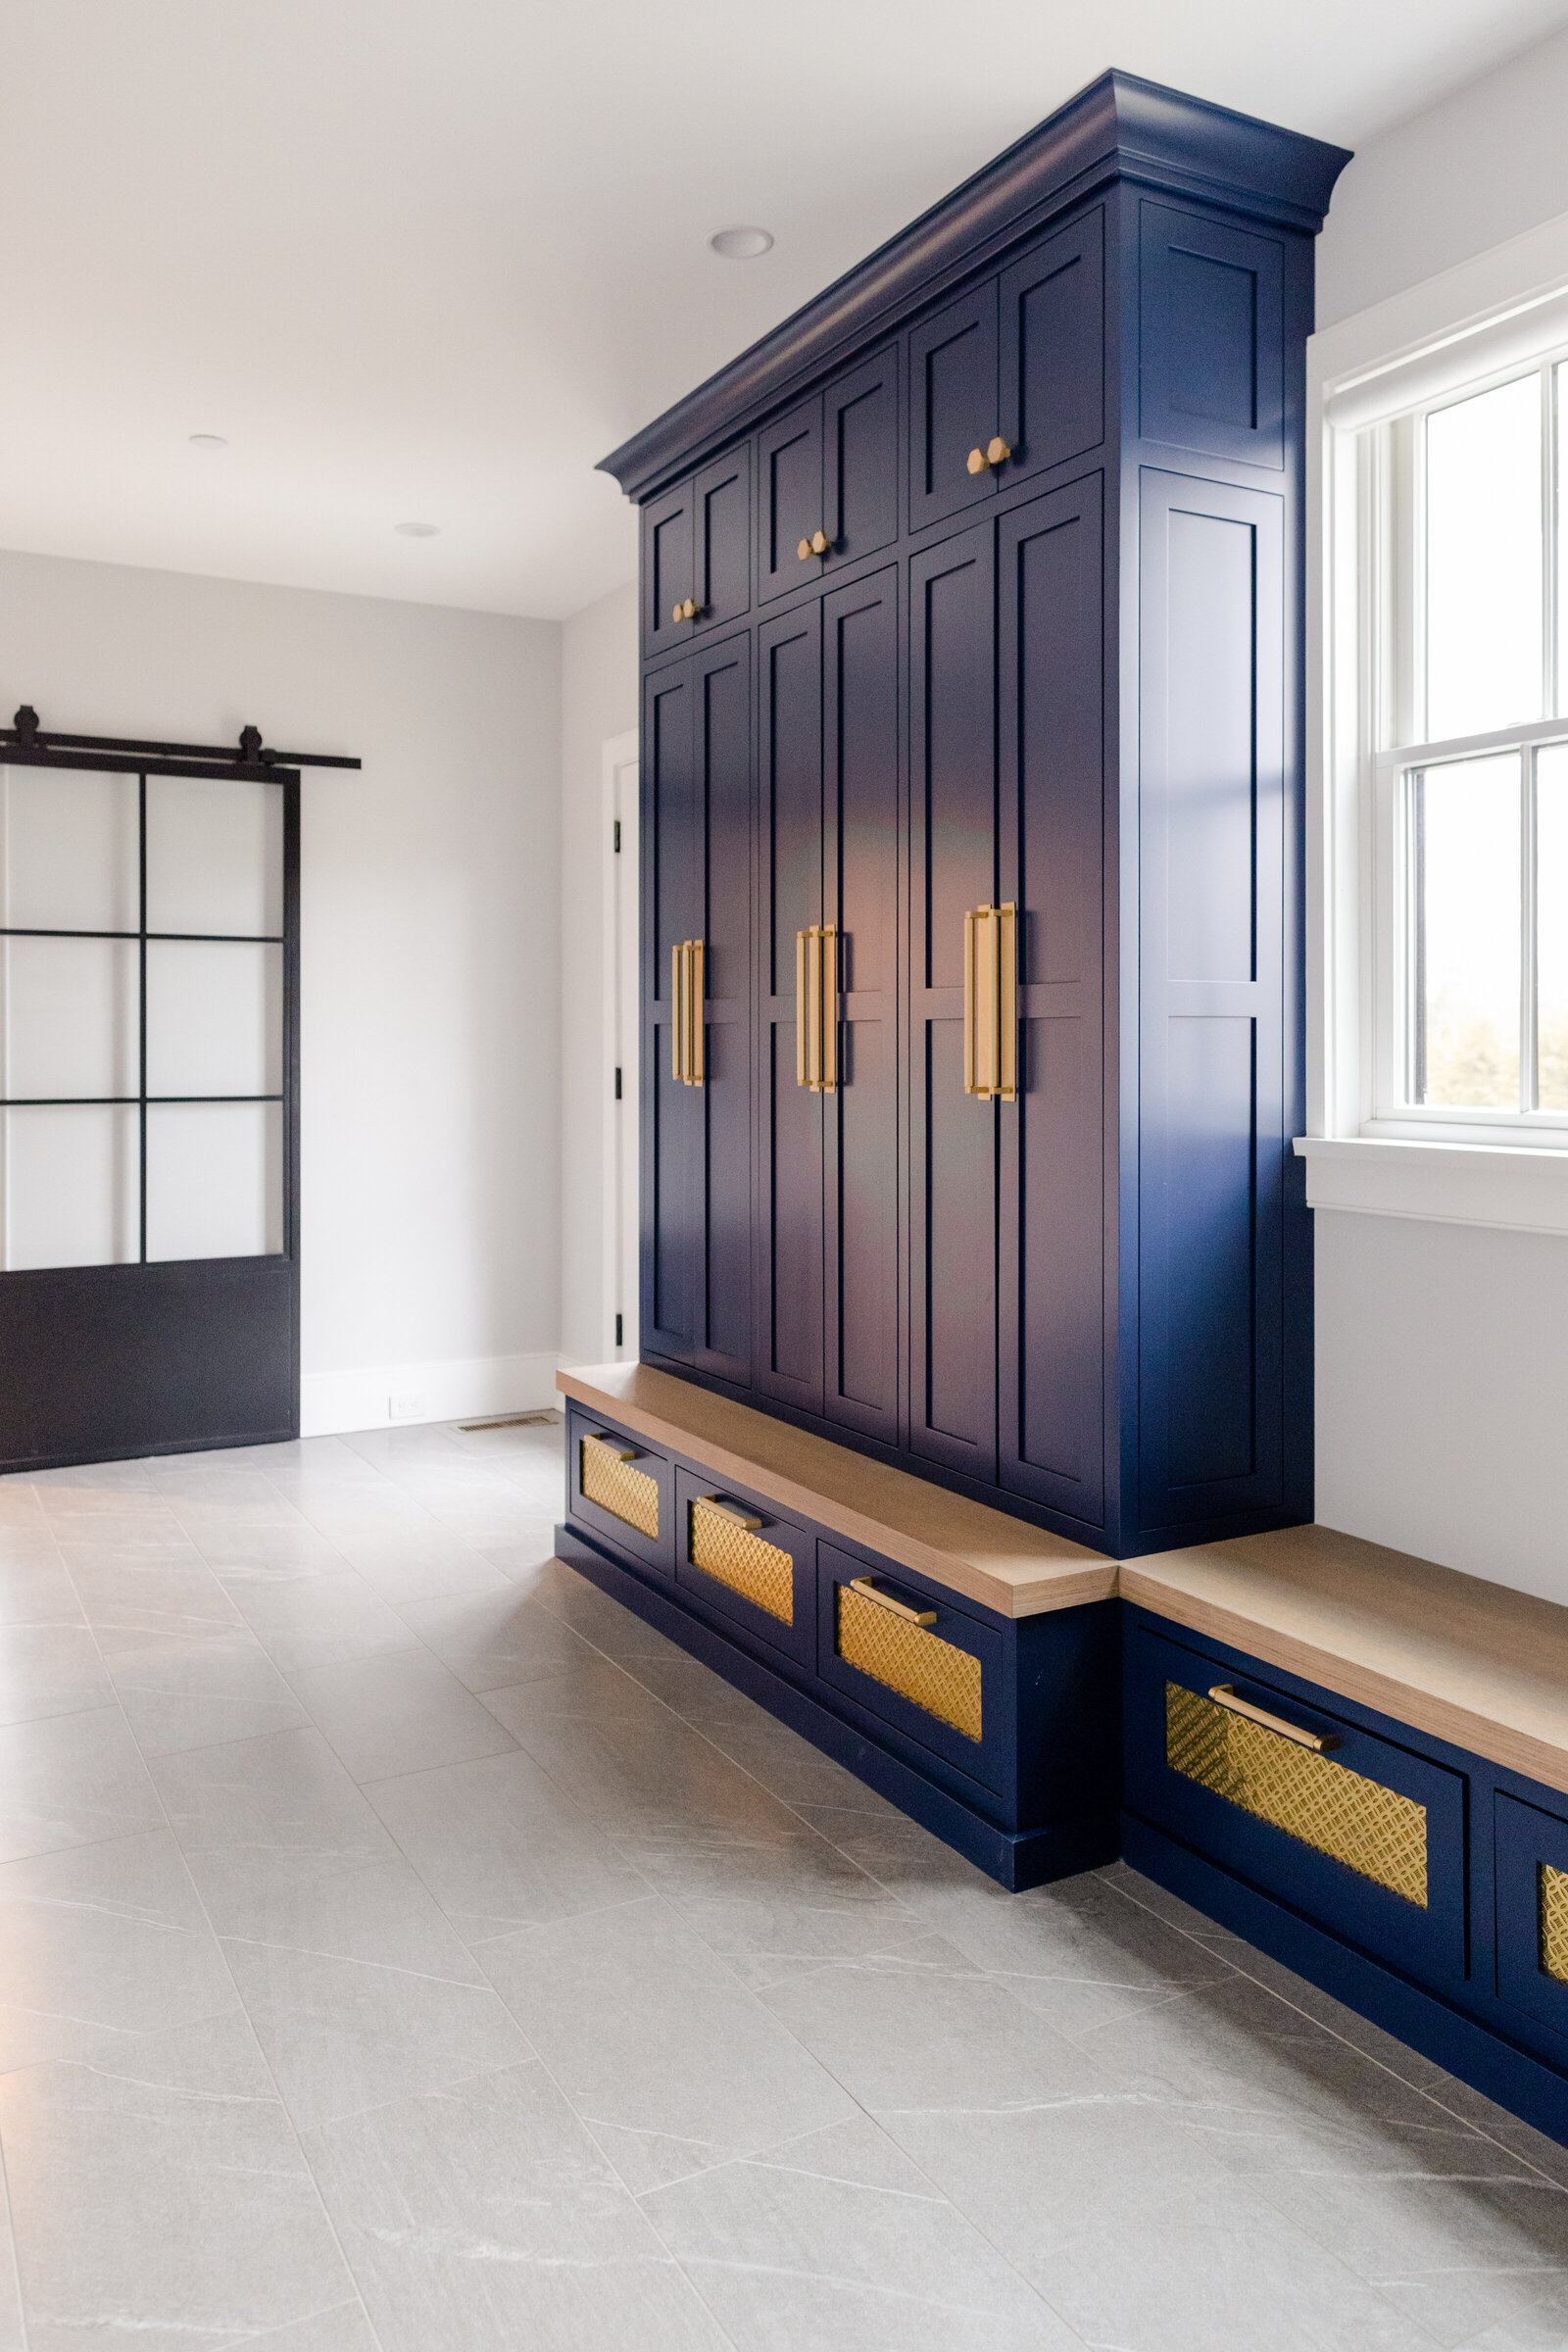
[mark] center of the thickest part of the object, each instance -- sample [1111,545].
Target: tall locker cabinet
[973,840]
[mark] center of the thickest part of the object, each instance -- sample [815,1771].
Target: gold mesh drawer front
[618,1487]
[1552,1891]
[909,1659]
[733,1555]
[1372,1829]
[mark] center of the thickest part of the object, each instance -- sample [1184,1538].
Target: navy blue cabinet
[1023,597]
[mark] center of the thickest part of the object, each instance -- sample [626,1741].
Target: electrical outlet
[405,1405]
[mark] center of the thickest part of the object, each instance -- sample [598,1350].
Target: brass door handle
[816,1047]
[1321,1742]
[885,1600]
[687,1028]
[729,1510]
[991,1003]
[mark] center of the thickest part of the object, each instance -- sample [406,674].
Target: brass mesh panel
[920,1665]
[618,1487]
[1552,1889]
[1372,1829]
[760,1572]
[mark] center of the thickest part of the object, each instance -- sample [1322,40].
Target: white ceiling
[427,260]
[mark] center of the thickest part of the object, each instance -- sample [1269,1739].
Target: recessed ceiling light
[738,244]
[207,441]
[417,530]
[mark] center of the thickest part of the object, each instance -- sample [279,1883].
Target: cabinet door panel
[668,548]
[722,517]
[722,683]
[861,451]
[1215,1145]
[1212,313]
[860,655]
[672,1113]
[789,498]
[953,823]
[1053,348]
[789,1305]
[952,406]
[1052,707]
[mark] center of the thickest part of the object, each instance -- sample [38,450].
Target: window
[1463,609]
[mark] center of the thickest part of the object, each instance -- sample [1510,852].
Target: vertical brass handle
[803,1072]
[677,1012]
[816,1036]
[828,1003]
[991,1003]
[813,1007]
[697,989]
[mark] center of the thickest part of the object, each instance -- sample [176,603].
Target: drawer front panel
[929,1669]
[617,1488]
[1533,1919]
[1352,1830]
[733,1555]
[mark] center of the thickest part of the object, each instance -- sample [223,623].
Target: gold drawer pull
[1320,1741]
[729,1510]
[622,1453]
[885,1600]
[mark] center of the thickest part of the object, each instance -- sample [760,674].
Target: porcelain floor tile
[398,1712]
[72,1780]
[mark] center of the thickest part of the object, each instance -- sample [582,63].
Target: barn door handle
[991,1003]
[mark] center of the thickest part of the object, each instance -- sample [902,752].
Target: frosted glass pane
[214,1180]
[1483,540]
[1552,928]
[1466,844]
[214,1018]
[67,1017]
[68,850]
[214,856]
[68,1183]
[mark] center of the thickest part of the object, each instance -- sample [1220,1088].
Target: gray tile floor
[405,1949]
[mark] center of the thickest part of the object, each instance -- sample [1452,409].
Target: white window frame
[1498,317]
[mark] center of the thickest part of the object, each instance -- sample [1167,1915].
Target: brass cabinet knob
[677,612]
[803,551]
[977,461]
[820,542]
[687,611]
[999,453]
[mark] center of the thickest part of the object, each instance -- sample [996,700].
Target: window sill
[1521,1186]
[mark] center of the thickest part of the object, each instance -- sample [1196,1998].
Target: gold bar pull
[698,997]
[827,947]
[1007,936]
[1321,1742]
[730,1511]
[616,1446]
[677,1012]
[991,1003]
[885,1600]
[802,1052]
[971,1084]
[813,1007]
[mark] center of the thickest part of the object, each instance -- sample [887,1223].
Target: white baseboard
[332,1402]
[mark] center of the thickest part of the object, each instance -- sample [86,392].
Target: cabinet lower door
[953,1141]
[722,764]
[788,1188]
[672,1110]
[1051,1319]
[860,671]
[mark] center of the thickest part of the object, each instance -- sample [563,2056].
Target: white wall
[598,701]
[1443,1349]
[430,943]
[1485,163]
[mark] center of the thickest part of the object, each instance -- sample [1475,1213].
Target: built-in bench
[1356,1759]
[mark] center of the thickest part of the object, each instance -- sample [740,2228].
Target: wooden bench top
[1454,1656]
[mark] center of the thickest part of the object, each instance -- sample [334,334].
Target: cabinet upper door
[721,718]
[952,406]
[860,459]
[722,523]
[789,1264]
[789,500]
[666,570]
[671,1141]
[1052,1321]
[1053,348]
[953,1138]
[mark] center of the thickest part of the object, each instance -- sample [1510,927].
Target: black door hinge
[618,837]
[620,1342]
[618,1082]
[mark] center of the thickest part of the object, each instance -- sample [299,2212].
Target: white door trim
[619,804]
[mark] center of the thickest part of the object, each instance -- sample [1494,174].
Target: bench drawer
[890,1642]
[1352,1830]
[732,1554]
[617,1488]
[1533,1916]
